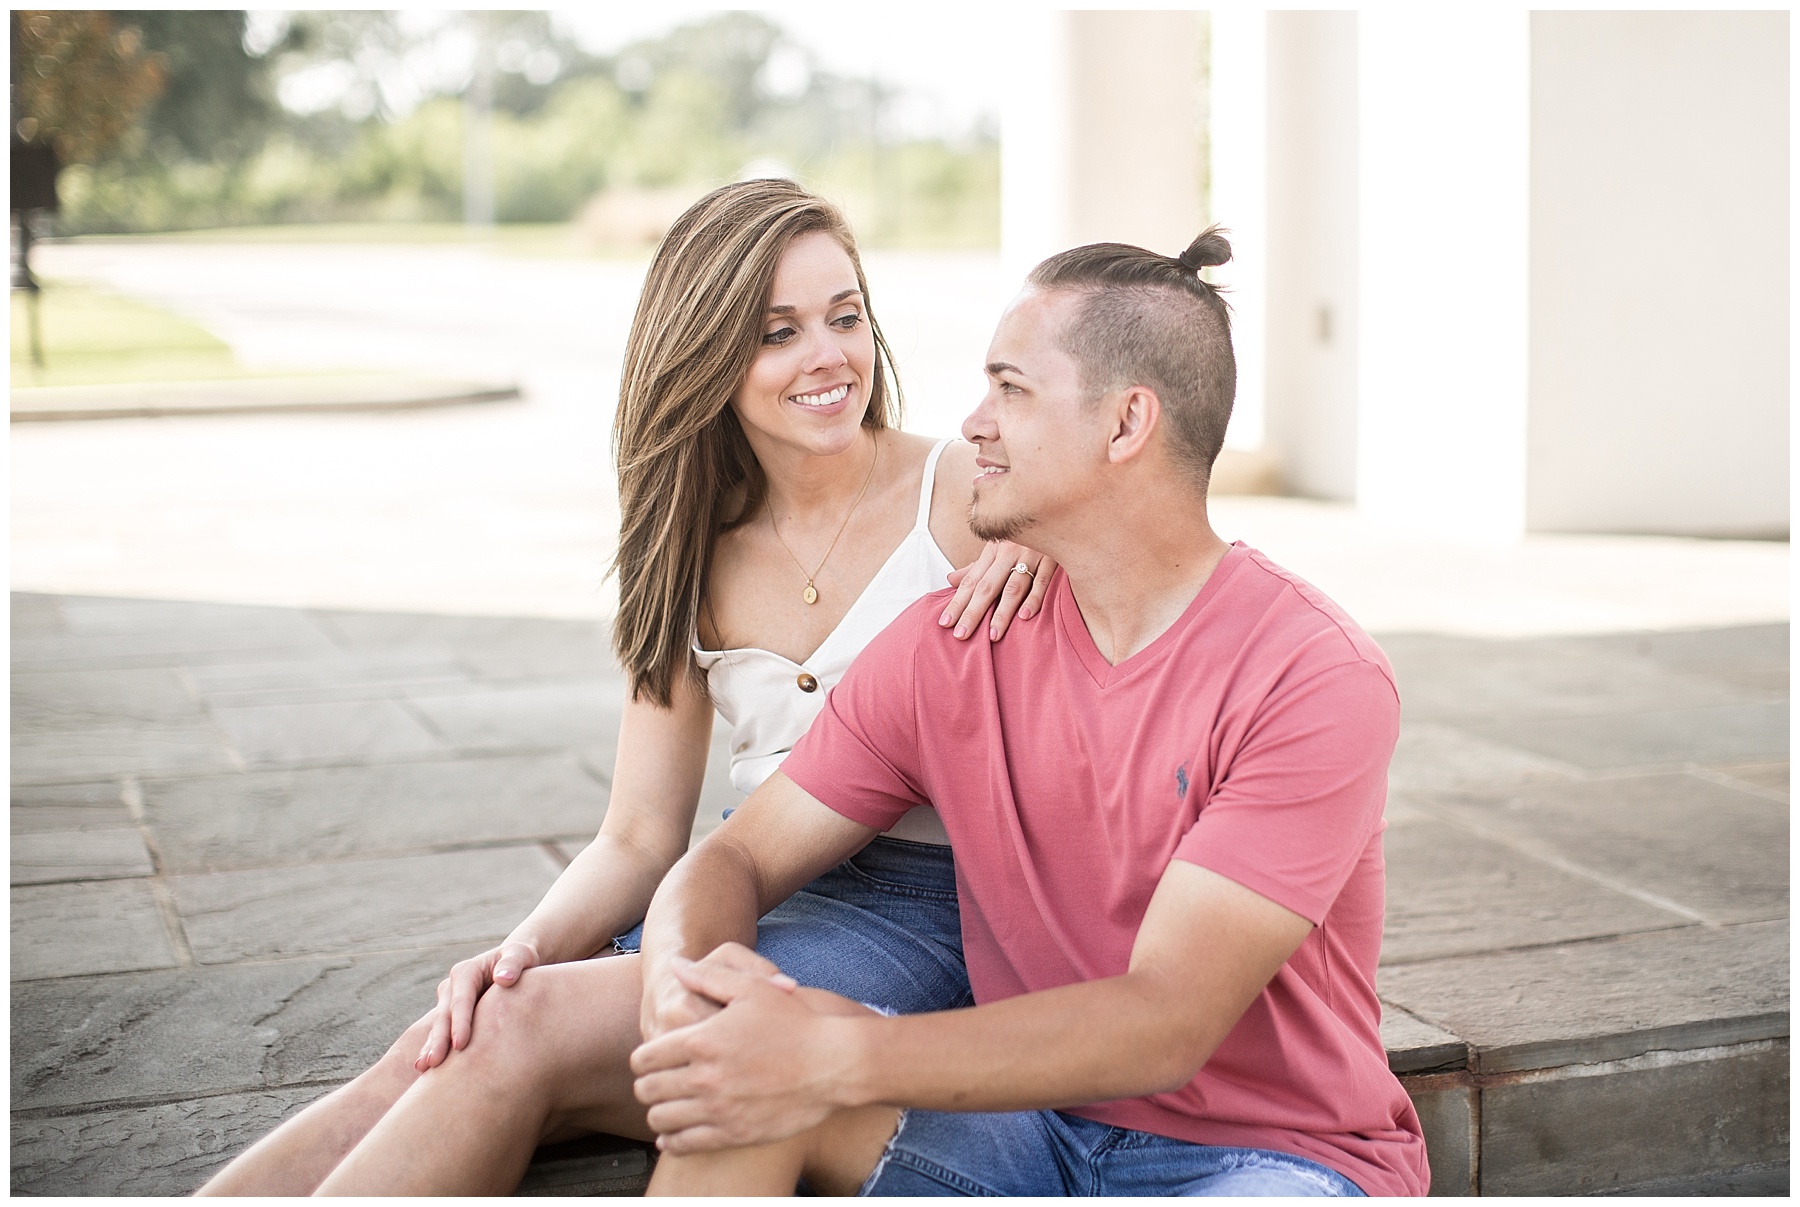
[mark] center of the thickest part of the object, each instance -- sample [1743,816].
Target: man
[1165,799]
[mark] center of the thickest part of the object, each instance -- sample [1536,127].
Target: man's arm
[771,845]
[772,1064]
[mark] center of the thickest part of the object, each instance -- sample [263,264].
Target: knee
[404,1051]
[514,1024]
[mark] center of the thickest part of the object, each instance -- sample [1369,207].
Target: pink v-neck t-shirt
[1251,738]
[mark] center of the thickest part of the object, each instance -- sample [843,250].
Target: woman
[770,510]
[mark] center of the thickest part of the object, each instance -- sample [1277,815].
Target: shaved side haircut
[1149,320]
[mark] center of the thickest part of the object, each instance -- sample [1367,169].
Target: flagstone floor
[247,842]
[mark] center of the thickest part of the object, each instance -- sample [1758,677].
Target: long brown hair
[686,471]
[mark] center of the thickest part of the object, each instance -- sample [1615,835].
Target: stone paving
[247,841]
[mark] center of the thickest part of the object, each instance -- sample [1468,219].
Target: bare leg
[298,1157]
[295,1157]
[835,1158]
[549,1057]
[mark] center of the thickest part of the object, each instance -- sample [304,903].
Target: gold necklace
[811,594]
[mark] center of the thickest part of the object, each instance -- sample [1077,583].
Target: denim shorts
[881,928]
[1052,1153]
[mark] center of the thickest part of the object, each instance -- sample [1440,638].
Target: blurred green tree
[357,116]
[218,101]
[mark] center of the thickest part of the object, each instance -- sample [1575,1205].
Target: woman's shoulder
[953,484]
[906,448]
[959,455]
[951,494]
[908,453]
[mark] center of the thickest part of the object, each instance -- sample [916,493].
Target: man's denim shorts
[881,928]
[1051,1153]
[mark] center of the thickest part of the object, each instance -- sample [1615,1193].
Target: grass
[91,338]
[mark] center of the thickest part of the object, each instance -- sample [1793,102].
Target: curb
[251,396]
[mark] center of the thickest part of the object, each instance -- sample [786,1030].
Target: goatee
[1003,528]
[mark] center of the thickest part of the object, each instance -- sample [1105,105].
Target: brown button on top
[807,683]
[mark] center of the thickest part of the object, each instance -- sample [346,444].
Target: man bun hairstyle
[1208,250]
[1150,320]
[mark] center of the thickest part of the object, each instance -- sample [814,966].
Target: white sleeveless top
[763,696]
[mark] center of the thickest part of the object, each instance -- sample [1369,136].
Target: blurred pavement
[510,510]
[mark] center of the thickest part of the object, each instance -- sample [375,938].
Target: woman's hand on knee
[1007,577]
[453,1021]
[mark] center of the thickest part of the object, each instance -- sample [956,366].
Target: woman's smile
[830,400]
[822,398]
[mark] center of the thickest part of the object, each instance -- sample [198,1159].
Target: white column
[1035,172]
[1100,135]
[1135,123]
[1240,171]
[478,131]
[1310,393]
[1442,368]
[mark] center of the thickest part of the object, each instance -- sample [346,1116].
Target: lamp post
[478,138]
[34,169]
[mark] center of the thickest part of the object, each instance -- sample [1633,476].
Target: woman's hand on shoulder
[1007,577]
[453,1020]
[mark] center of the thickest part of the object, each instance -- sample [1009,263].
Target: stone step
[1673,1071]
[1688,1121]
[593,1165]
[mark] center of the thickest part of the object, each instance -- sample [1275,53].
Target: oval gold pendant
[810,595]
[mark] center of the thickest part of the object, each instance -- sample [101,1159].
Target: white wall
[1659,272]
[1442,98]
[1312,286]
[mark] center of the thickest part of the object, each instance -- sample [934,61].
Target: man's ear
[1136,414]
